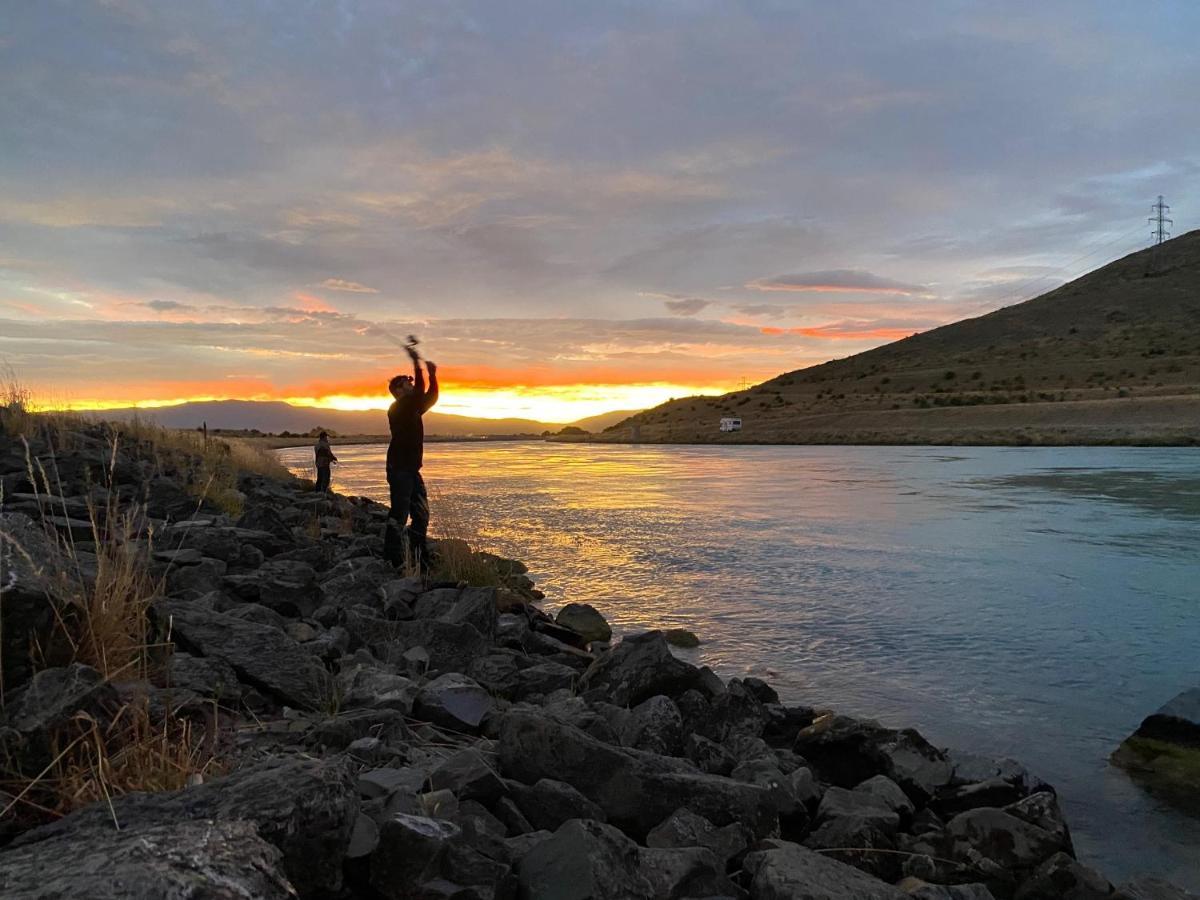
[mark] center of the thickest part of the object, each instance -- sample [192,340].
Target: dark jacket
[324,454]
[407,449]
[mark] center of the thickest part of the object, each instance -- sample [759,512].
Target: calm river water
[1036,603]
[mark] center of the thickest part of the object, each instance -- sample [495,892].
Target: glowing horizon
[552,405]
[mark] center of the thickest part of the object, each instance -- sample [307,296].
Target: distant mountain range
[1112,357]
[277,416]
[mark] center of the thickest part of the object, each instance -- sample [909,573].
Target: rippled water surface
[1031,602]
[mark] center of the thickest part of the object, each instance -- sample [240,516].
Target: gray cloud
[688,306]
[833,281]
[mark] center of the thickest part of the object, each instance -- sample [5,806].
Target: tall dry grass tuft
[103,591]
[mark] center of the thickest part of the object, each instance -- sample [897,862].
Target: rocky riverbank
[335,728]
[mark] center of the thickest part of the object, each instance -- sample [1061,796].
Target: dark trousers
[322,478]
[409,499]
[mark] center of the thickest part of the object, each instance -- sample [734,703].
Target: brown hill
[1112,357]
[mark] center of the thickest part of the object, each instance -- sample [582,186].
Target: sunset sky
[578,207]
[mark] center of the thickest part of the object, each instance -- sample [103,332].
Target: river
[1029,602]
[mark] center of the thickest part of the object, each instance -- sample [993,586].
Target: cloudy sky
[577,206]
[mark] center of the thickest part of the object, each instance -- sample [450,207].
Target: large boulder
[305,808]
[585,620]
[683,828]
[584,860]
[636,669]
[1013,844]
[223,860]
[655,726]
[41,715]
[262,656]
[27,613]
[784,871]
[547,803]
[1164,752]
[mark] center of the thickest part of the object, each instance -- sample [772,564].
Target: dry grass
[103,592]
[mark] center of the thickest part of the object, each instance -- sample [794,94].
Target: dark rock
[839,803]
[547,804]
[259,615]
[475,606]
[583,860]
[259,517]
[1062,878]
[203,676]
[684,872]
[681,637]
[784,723]
[1013,844]
[223,860]
[542,679]
[708,755]
[889,792]
[27,615]
[1042,809]
[305,808]
[206,576]
[42,713]
[364,838]
[846,751]
[453,701]
[451,647]
[384,781]
[411,849]
[263,657]
[584,619]
[784,871]
[469,775]
[683,828]
[636,669]
[761,691]
[286,586]
[1164,753]
[655,726]
[920,890]
[372,688]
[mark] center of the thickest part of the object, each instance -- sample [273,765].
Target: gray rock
[451,646]
[262,656]
[453,701]
[586,620]
[921,890]
[364,838]
[203,676]
[382,782]
[259,615]
[287,586]
[27,615]
[411,849]
[43,712]
[1062,878]
[475,606]
[1013,844]
[785,871]
[655,726]
[543,678]
[636,669]
[305,808]
[839,803]
[685,872]
[223,860]
[547,804]
[583,860]
[889,792]
[470,775]
[708,755]
[683,828]
[1042,809]
[205,576]
[369,687]
[805,787]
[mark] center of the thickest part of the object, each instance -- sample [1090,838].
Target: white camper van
[730,423]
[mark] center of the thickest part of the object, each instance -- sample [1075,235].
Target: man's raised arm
[431,395]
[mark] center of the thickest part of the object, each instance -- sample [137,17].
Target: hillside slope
[1112,357]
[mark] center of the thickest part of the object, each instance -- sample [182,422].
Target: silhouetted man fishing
[324,459]
[405,452]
